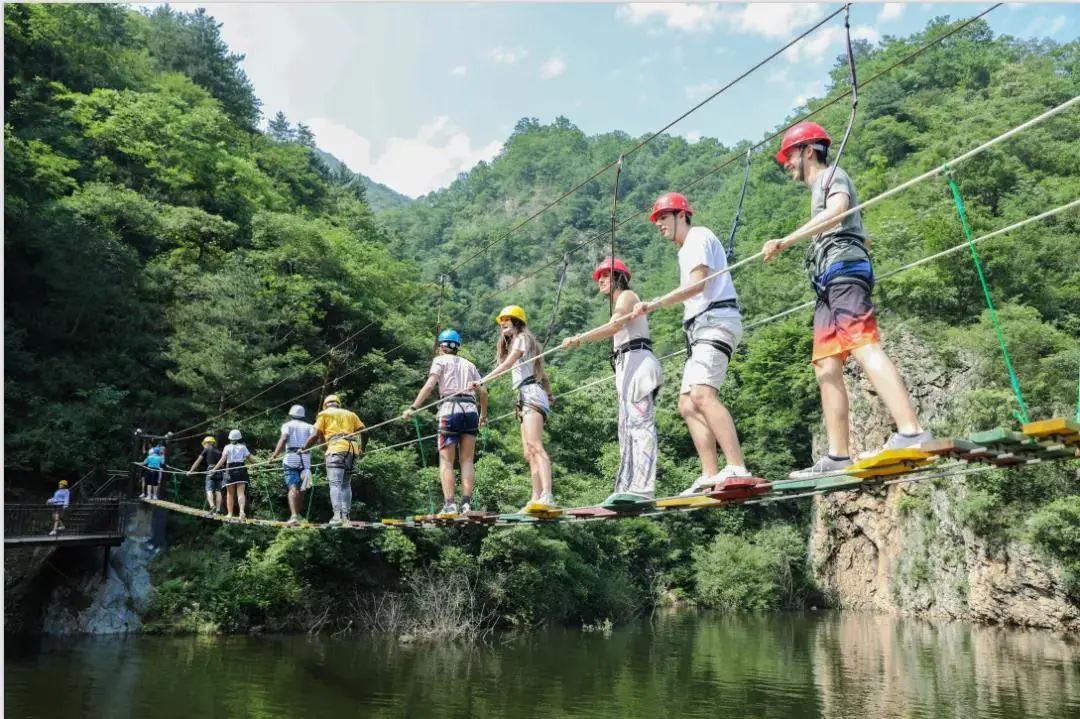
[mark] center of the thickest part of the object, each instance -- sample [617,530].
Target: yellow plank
[393,522]
[887,457]
[694,501]
[539,509]
[1056,427]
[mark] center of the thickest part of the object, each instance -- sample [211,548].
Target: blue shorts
[292,477]
[452,426]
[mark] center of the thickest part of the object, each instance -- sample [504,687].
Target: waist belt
[642,343]
[718,304]
[459,399]
[293,450]
[715,344]
[821,290]
[531,379]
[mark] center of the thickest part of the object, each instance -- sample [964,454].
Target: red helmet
[610,265]
[801,134]
[670,201]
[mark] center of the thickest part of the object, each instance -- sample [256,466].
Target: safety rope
[730,252]
[558,297]
[423,459]
[1022,414]
[438,314]
[614,209]
[854,99]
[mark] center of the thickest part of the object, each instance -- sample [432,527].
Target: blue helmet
[450,338]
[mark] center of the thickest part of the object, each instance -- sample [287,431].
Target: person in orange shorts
[839,267]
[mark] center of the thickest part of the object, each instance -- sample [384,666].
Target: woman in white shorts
[515,348]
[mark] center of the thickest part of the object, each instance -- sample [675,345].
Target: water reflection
[777,667]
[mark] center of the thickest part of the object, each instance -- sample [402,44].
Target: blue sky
[413,94]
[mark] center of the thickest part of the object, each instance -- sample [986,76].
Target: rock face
[88,603]
[901,549]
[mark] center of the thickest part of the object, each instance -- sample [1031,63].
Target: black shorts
[236,474]
[452,426]
[152,477]
[844,320]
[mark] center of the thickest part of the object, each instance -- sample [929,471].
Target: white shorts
[532,398]
[707,363]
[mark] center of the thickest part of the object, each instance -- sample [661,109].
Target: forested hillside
[166,261]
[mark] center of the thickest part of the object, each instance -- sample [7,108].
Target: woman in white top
[459,420]
[637,380]
[233,457]
[516,348]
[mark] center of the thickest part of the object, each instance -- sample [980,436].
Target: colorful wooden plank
[836,484]
[740,488]
[592,512]
[627,503]
[546,511]
[479,517]
[1065,430]
[697,500]
[517,517]
[786,486]
[951,448]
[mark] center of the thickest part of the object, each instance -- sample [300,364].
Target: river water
[680,665]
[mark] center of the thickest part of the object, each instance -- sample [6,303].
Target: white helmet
[296,411]
[235,435]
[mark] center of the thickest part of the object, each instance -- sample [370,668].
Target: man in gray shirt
[838,266]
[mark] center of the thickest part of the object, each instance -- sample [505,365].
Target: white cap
[296,411]
[235,435]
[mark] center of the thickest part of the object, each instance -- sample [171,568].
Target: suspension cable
[734,157]
[648,139]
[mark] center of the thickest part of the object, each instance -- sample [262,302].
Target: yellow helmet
[63,483]
[209,440]
[513,311]
[331,398]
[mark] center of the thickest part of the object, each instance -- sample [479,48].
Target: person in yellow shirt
[339,428]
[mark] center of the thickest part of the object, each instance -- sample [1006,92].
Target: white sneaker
[700,485]
[294,521]
[731,471]
[449,508]
[335,521]
[466,507]
[548,499]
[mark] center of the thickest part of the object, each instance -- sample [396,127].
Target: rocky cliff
[904,549]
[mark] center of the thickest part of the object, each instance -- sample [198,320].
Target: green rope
[423,459]
[1078,394]
[269,501]
[1022,414]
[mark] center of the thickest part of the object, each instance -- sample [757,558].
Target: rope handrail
[753,324]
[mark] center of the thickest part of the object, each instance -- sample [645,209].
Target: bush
[1056,530]
[766,572]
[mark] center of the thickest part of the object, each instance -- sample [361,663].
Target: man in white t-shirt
[296,464]
[713,326]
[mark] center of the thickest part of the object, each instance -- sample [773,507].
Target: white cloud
[460,70]
[816,90]
[890,11]
[553,68]
[507,56]
[413,166]
[689,17]
[829,39]
[700,91]
[693,136]
[778,20]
